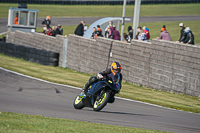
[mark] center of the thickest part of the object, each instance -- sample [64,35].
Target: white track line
[81,89]
[2,33]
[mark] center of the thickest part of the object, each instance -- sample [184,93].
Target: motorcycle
[99,93]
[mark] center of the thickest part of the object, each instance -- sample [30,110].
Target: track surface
[29,96]
[90,20]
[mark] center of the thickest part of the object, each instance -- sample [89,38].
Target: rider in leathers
[115,68]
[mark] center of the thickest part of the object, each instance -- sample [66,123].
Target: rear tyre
[78,103]
[101,102]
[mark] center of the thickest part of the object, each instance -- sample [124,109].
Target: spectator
[99,32]
[85,26]
[59,30]
[54,28]
[182,32]
[141,35]
[114,33]
[94,33]
[189,39]
[47,21]
[79,29]
[49,31]
[125,37]
[164,35]
[16,19]
[107,30]
[146,31]
[130,34]
[45,29]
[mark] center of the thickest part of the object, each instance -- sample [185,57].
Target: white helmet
[187,29]
[181,25]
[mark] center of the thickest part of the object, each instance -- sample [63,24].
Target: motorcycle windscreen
[115,78]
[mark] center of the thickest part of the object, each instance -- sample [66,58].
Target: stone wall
[37,40]
[158,64]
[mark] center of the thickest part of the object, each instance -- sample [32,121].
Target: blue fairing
[97,87]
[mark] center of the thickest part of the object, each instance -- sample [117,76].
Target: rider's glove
[99,76]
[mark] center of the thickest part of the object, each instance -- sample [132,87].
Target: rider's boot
[85,89]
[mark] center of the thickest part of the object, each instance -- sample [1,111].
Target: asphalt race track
[30,96]
[90,20]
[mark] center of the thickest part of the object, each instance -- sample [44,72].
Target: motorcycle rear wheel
[101,102]
[78,103]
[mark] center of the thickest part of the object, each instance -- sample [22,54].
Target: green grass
[107,10]
[18,123]
[172,27]
[74,78]
[3,35]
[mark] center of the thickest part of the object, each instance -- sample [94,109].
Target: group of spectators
[143,33]
[51,31]
[110,32]
[96,32]
[186,35]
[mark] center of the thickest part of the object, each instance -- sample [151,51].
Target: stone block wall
[158,64]
[37,40]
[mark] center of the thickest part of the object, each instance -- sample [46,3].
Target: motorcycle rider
[115,68]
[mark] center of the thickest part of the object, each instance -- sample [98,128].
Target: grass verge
[17,123]
[107,10]
[172,28]
[74,78]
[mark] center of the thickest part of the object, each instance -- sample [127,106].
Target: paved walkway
[90,20]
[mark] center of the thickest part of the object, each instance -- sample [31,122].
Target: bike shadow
[124,113]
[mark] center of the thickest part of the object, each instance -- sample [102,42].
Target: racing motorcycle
[99,93]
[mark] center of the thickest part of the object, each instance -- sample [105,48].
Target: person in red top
[146,31]
[16,19]
[49,32]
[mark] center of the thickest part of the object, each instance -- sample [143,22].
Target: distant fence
[159,64]
[98,2]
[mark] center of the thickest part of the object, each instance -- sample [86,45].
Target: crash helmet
[116,67]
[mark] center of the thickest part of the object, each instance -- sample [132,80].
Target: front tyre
[78,103]
[101,102]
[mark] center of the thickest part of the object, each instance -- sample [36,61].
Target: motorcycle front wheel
[78,103]
[101,102]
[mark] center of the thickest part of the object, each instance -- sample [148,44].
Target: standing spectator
[47,21]
[59,30]
[85,26]
[107,30]
[141,35]
[130,34]
[182,32]
[189,39]
[146,31]
[94,33]
[99,32]
[49,31]
[45,29]
[54,28]
[114,33]
[164,35]
[16,19]
[79,29]
[126,37]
